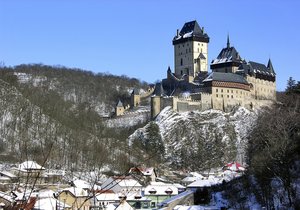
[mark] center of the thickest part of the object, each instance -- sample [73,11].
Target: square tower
[190,50]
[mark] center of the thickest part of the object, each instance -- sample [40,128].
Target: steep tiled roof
[227,55]
[191,30]
[225,77]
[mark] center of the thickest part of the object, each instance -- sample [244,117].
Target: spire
[270,66]
[228,42]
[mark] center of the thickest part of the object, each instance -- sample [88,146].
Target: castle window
[181,61]
[221,90]
[217,95]
[222,95]
[227,91]
[231,96]
[227,96]
[231,91]
[186,51]
[181,72]
[216,90]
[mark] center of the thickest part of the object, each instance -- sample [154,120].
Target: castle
[232,81]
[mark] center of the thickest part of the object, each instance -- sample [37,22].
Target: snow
[161,188]
[30,165]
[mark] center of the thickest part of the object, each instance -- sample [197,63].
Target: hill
[61,111]
[195,140]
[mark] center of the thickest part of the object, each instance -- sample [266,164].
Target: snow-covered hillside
[203,139]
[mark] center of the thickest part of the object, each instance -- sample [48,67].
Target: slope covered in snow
[202,140]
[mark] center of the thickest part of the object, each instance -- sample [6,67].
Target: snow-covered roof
[82,184]
[8,174]
[107,196]
[145,171]
[127,182]
[30,165]
[76,191]
[201,183]
[124,206]
[6,196]
[190,179]
[234,166]
[161,188]
[49,204]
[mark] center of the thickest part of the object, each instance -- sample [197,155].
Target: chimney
[202,29]
[177,33]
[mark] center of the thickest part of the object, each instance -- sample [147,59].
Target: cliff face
[201,140]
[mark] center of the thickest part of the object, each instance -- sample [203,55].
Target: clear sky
[134,37]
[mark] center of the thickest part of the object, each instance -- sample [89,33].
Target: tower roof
[257,68]
[120,104]
[227,55]
[191,31]
[135,91]
[270,66]
[158,90]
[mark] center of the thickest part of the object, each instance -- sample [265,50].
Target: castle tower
[228,60]
[119,109]
[190,50]
[135,98]
[156,100]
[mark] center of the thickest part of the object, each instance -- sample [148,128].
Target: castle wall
[262,89]
[229,69]
[225,98]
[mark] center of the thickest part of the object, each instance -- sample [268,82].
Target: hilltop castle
[232,82]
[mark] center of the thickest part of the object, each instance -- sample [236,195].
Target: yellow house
[76,198]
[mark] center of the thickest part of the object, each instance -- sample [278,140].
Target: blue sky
[134,37]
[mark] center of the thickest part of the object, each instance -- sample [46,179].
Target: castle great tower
[190,50]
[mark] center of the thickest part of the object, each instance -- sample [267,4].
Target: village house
[76,198]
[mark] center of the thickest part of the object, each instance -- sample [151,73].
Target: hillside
[61,111]
[196,140]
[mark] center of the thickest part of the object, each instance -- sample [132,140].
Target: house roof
[191,30]
[8,174]
[161,188]
[143,170]
[234,166]
[225,77]
[76,191]
[30,165]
